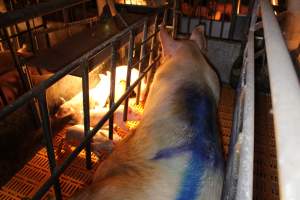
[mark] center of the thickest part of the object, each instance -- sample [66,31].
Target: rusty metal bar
[86,109]
[112,86]
[130,60]
[48,137]
[142,59]
[21,15]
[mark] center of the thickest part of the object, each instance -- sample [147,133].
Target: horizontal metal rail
[21,15]
[285,93]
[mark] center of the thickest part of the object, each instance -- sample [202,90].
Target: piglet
[175,152]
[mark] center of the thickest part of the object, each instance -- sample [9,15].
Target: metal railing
[14,17]
[239,172]
[285,94]
[223,26]
[39,93]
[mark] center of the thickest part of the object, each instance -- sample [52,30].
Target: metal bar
[3,97]
[152,51]
[15,59]
[130,60]
[223,20]
[21,33]
[58,171]
[21,15]
[44,24]
[142,59]
[112,87]
[233,19]
[175,19]
[285,93]
[30,36]
[48,137]
[61,73]
[165,17]
[86,109]
[245,180]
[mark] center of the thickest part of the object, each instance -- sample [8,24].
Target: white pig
[97,97]
[175,152]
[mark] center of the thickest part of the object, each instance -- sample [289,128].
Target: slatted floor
[265,159]
[28,180]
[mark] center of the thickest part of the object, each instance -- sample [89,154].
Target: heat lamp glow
[98,97]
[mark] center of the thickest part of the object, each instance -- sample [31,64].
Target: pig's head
[64,110]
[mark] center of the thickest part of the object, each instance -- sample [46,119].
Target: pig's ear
[169,45]
[62,100]
[198,35]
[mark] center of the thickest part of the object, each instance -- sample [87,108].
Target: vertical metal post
[48,137]
[223,20]
[188,24]
[212,18]
[3,97]
[142,58]
[233,19]
[130,60]
[200,17]
[175,19]
[44,21]
[112,86]
[30,36]
[152,55]
[165,18]
[86,109]
[15,59]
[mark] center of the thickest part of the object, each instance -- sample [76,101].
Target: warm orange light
[274,2]
[238,7]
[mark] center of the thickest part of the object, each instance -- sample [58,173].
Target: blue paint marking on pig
[199,113]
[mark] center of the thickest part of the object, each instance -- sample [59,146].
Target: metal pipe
[142,59]
[175,19]
[112,87]
[48,137]
[245,178]
[59,170]
[3,97]
[285,93]
[15,59]
[86,109]
[152,51]
[30,36]
[61,73]
[130,60]
[21,33]
[223,20]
